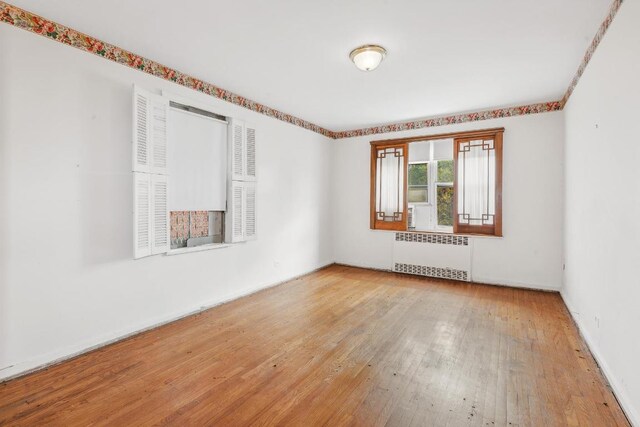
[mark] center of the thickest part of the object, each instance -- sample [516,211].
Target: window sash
[495,135]
[389,187]
[478,157]
[436,214]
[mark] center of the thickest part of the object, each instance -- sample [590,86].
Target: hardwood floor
[342,346]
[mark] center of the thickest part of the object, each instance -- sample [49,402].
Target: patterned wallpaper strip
[28,21]
[454,119]
[615,6]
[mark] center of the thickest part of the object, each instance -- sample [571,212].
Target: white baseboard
[514,284]
[616,388]
[23,368]
[476,280]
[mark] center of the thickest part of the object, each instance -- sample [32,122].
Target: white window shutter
[141,135]
[141,215]
[160,214]
[158,111]
[236,149]
[250,153]
[151,185]
[241,197]
[235,213]
[249,217]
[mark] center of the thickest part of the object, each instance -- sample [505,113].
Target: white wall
[69,280]
[530,254]
[602,223]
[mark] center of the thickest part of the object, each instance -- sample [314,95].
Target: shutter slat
[234,217]
[159,111]
[160,216]
[141,146]
[238,209]
[250,153]
[249,210]
[141,220]
[236,149]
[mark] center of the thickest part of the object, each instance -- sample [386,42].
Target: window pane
[445,205]
[445,171]
[419,174]
[418,183]
[418,194]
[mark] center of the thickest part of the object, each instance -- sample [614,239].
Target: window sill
[200,248]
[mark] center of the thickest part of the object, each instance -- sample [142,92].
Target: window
[194,176]
[430,179]
[198,171]
[452,183]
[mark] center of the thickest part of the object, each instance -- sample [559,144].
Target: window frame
[485,230]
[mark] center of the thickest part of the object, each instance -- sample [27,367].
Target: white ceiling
[444,56]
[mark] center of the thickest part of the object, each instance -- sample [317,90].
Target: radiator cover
[443,256]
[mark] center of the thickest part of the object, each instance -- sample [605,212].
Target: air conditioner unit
[411,219]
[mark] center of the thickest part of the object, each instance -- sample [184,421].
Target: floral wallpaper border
[496,113]
[28,21]
[20,18]
[454,119]
[613,10]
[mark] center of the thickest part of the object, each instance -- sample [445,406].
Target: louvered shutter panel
[234,218]
[141,135]
[158,111]
[236,149]
[249,210]
[250,153]
[150,150]
[160,214]
[241,197]
[141,214]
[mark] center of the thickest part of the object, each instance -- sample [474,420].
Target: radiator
[434,255]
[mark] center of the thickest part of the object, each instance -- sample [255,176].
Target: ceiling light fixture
[368,57]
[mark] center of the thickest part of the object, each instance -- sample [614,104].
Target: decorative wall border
[454,119]
[494,114]
[21,18]
[613,10]
[31,22]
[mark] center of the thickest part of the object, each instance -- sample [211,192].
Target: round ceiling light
[368,57]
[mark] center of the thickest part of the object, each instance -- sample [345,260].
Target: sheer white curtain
[390,176]
[476,177]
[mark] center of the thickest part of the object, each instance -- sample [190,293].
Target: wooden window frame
[487,230]
[375,223]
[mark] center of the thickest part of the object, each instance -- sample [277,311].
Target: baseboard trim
[121,337]
[520,286]
[605,370]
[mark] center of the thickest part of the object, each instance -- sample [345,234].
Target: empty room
[307,213]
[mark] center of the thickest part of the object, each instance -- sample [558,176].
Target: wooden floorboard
[341,346]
